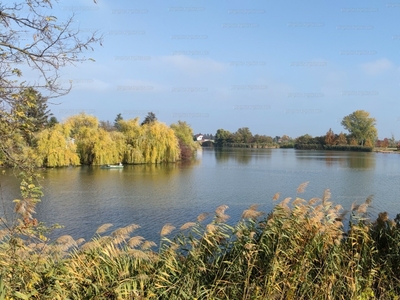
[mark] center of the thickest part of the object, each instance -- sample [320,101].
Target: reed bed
[300,250]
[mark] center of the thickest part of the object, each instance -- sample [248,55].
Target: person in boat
[120,164]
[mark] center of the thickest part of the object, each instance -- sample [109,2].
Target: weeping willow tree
[133,134]
[187,145]
[105,150]
[55,148]
[149,143]
[119,141]
[95,146]
[81,140]
[159,144]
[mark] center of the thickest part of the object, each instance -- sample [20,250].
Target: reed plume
[167,229]
[302,187]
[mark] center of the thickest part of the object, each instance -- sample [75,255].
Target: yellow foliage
[81,140]
[151,143]
[55,148]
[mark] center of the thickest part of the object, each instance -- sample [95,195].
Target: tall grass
[300,250]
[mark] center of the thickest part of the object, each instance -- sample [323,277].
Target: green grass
[300,250]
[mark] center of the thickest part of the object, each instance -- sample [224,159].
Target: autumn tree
[94,145]
[133,133]
[159,143]
[55,148]
[385,143]
[368,143]
[184,133]
[361,126]
[341,139]
[353,142]
[330,137]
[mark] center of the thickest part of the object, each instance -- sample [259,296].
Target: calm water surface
[83,198]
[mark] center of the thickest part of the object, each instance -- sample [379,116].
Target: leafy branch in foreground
[33,39]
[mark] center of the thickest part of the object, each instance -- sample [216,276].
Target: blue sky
[277,67]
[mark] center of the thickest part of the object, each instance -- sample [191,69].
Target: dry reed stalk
[302,187]
[284,204]
[4,233]
[124,231]
[25,207]
[251,214]
[90,246]
[147,245]
[299,201]
[211,228]
[326,196]
[220,210]
[202,217]
[138,254]
[338,207]
[135,241]
[354,206]
[167,229]
[369,199]
[103,228]
[187,225]
[80,241]
[362,209]
[222,218]
[314,200]
[66,242]
[276,196]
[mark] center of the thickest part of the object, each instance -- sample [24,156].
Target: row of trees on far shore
[243,138]
[361,127]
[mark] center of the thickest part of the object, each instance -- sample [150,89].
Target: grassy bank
[300,250]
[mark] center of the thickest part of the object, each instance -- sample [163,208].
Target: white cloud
[377,67]
[192,66]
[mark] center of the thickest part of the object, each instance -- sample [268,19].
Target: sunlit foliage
[184,133]
[55,148]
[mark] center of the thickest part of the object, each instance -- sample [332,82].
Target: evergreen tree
[52,122]
[150,118]
[116,122]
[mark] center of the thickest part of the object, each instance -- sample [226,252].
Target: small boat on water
[120,166]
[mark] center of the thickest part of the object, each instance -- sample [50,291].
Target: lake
[83,198]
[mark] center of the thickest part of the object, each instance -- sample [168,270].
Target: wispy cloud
[377,67]
[194,67]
